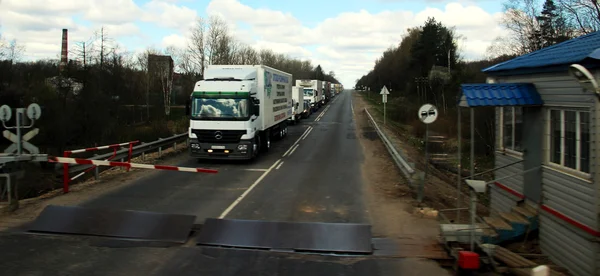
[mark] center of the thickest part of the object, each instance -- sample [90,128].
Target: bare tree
[217,40]
[105,46]
[584,14]
[267,57]
[520,19]
[83,51]
[533,27]
[2,47]
[248,55]
[13,51]
[196,55]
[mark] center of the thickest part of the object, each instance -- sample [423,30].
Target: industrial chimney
[63,52]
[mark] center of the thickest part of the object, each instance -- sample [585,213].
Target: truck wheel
[256,152]
[266,144]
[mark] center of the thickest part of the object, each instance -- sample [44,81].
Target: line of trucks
[237,110]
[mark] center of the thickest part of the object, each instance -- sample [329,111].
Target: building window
[570,139]
[512,128]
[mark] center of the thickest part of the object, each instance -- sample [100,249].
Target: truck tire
[256,153]
[266,144]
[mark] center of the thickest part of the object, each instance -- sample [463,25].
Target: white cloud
[350,42]
[113,11]
[283,48]
[166,14]
[175,40]
[45,7]
[267,24]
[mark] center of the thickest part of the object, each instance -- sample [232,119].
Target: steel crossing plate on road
[299,236]
[114,223]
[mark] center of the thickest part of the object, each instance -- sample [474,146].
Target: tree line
[426,65]
[536,24]
[105,95]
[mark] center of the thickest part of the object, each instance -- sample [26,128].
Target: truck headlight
[195,146]
[242,147]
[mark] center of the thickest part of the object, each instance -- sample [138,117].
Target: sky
[344,36]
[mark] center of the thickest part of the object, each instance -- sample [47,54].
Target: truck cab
[222,119]
[311,96]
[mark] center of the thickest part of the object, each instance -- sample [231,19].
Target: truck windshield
[206,108]
[308,92]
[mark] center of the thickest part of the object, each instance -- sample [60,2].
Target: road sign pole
[18,119]
[384,93]
[427,114]
[422,186]
[384,115]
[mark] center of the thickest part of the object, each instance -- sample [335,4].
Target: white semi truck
[312,92]
[237,110]
[325,95]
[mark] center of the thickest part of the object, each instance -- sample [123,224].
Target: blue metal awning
[499,94]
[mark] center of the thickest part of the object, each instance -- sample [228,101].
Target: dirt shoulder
[390,202]
[109,181]
[440,189]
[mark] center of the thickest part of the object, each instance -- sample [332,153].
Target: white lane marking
[304,135]
[279,166]
[307,134]
[322,113]
[352,107]
[239,199]
[293,150]
[256,170]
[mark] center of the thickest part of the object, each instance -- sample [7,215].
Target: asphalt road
[313,175]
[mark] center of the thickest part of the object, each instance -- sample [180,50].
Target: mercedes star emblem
[218,135]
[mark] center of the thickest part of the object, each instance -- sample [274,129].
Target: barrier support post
[129,157]
[66,177]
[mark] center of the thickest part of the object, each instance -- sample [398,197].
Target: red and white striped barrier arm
[102,147]
[67,160]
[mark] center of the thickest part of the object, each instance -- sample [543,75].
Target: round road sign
[5,113]
[34,111]
[428,113]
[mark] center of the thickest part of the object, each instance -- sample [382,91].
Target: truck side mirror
[256,111]
[256,107]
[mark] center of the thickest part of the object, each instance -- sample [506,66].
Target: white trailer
[298,105]
[237,110]
[312,92]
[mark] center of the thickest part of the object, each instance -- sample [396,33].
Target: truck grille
[212,136]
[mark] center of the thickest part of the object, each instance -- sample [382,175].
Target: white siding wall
[568,246]
[569,195]
[501,200]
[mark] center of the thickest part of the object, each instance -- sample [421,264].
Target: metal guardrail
[406,169]
[122,154]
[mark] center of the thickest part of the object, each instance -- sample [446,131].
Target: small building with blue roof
[547,151]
